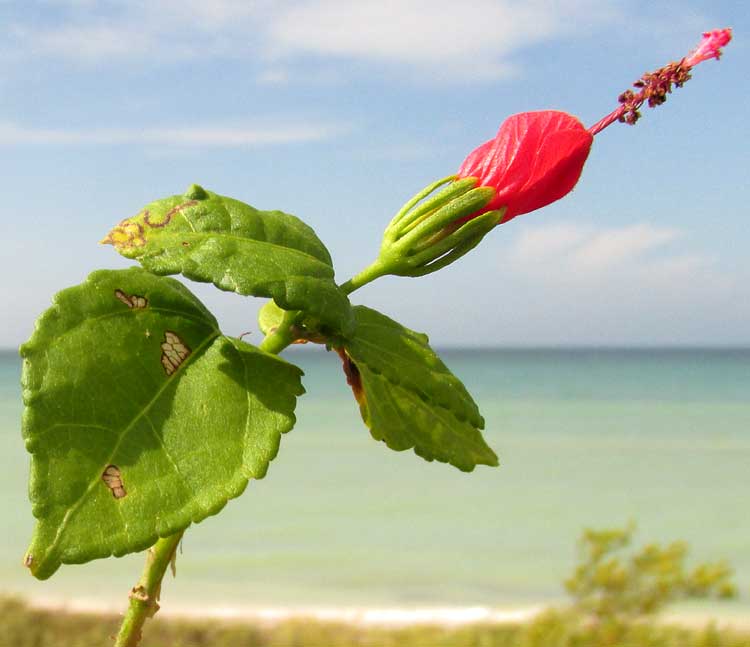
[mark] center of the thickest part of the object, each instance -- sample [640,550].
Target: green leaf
[214,239]
[141,417]
[408,397]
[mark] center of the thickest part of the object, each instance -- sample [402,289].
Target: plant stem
[144,596]
[370,273]
[279,339]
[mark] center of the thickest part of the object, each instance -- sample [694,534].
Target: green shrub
[616,590]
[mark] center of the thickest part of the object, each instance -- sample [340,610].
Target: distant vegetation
[618,591]
[21,626]
[616,594]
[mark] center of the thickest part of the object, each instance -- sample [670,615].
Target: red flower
[535,159]
[709,47]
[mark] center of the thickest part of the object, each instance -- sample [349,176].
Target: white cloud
[582,251]
[203,137]
[614,277]
[412,32]
[617,246]
[537,242]
[470,40]
[570,283]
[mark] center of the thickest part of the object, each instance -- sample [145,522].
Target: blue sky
[339,111]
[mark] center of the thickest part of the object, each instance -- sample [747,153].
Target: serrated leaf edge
[414,447]
[476,420]
[233,490]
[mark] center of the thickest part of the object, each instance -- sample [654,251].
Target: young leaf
[141,417]
[408,397]
[269,317]
[305,329]
[215,239]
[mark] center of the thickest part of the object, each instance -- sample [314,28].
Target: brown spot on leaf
[353,378]
[28,560]
[125,234]
[167,218]
[113,480]
[174,352]
[133,301]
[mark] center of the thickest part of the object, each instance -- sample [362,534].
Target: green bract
[141,417]
[408,397]
[269,317]
[304,329]
[433,229]
[212,238]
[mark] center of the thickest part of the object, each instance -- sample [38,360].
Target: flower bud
[536,158]
[436,227]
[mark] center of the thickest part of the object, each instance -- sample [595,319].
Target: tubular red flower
[653,87]
[709,47]
[535,159]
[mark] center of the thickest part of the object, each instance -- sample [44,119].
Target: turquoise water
[585,437]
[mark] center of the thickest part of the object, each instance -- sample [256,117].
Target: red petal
[535,159]
[709,47]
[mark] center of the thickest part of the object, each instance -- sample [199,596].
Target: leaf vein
[95,481]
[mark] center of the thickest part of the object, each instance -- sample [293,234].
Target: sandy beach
[387,617]
[382,617]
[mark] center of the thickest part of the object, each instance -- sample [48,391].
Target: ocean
[586,438]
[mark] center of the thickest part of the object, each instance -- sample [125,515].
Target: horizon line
[534,347]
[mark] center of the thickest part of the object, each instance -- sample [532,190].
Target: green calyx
[436,227]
